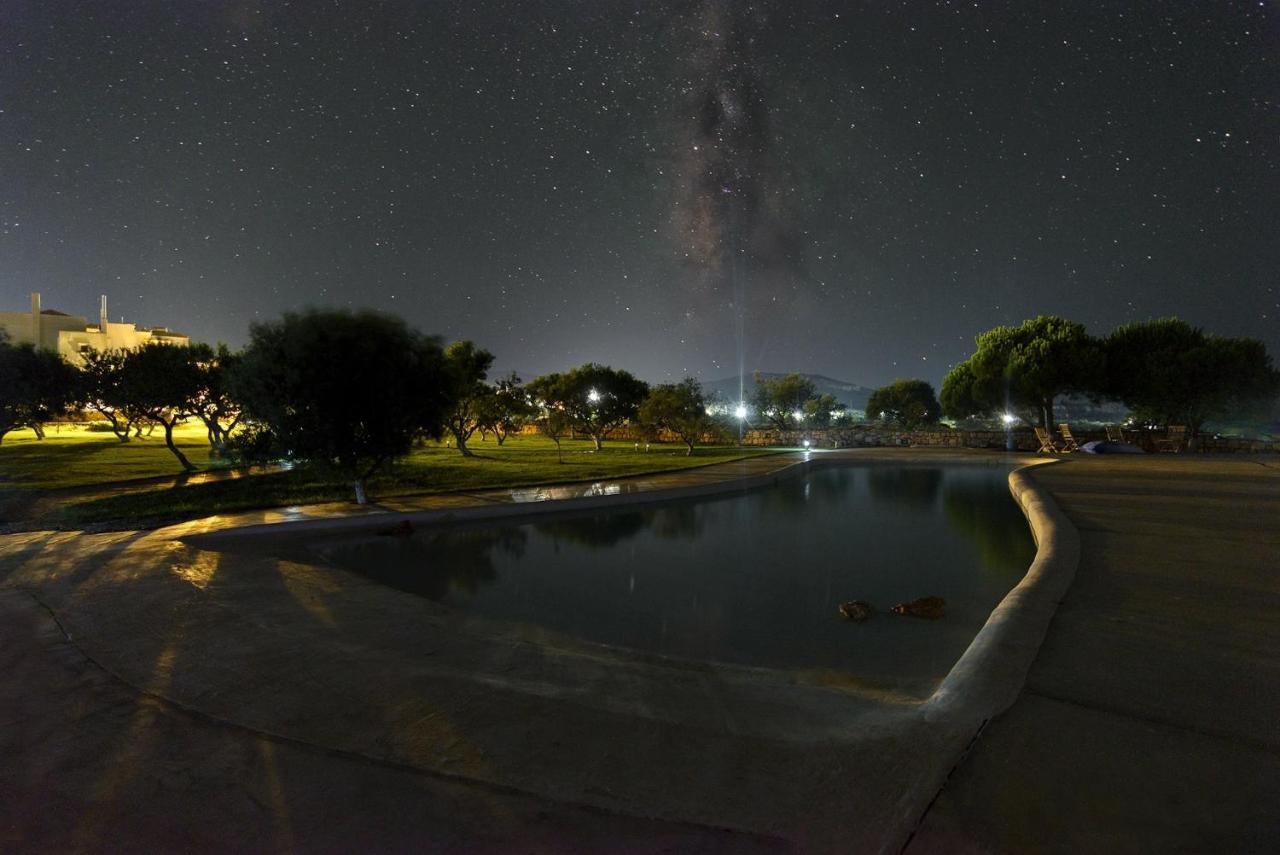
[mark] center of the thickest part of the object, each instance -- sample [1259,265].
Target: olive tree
[465,369]
[779,399]
[908,403]
[35,386]
[161,383]
[102,390]
[347,391]
[505,408]
[596,399]
[680,408]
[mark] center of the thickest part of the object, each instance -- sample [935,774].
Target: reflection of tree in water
[914,487]
[439,563]
[600,531]
[984,512]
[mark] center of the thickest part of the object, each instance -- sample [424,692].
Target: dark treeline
[352,391]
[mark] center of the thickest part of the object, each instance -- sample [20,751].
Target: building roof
[55,312]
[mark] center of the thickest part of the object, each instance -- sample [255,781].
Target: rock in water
[404,528]
[930,608]
[856,610]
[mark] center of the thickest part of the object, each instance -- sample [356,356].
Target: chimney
[102,315]
[35,318]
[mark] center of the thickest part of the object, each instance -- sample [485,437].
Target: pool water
[752,578]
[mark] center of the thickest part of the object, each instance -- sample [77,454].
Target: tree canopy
[1169,372]
[1024,368]
[465,370]
[340,389]
[161,383]
[596,399]
[35,386]
[908,403]
[779,399]
[680,408]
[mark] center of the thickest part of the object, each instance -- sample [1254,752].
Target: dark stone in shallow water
[856,610]
[930,608]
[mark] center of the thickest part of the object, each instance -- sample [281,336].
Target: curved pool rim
[983,682]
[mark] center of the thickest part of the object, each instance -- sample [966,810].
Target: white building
[72,335]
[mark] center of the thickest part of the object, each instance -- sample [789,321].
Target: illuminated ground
[204,690]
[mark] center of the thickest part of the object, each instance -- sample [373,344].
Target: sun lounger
[1173,440]
[1046,442]
[1068,441]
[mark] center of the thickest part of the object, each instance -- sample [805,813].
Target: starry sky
[675,187]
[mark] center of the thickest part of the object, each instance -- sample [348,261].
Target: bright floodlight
[1008,418]
[740,412]
[797,415]
[806,443]
[593,396]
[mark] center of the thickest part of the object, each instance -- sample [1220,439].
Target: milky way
[664,185]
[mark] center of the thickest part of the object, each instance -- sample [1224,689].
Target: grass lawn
[71,456]
[78,458]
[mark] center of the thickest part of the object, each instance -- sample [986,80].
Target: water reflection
[912,487]
[1002,539]
[754,578]
[434,564]
[681,521]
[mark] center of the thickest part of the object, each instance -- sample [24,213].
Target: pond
[752,578]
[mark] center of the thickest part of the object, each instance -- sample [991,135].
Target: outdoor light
[806,443]
[593,396]
[797,415]
[740,412]
[1008,419]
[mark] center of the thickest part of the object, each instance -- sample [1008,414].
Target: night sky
[858,187]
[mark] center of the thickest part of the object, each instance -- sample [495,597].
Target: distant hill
[851,395]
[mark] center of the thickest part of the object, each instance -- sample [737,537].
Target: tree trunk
[461,439]
[689,443]
[1047,409]
[38,429]
[559,457]
[168,440]
[362,497]
[599,441]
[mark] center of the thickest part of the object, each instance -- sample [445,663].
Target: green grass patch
[72,456]
[522,461]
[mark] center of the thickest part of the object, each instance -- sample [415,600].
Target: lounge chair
[1173,440]
[1046,442]
[1115,434]
[1068,441]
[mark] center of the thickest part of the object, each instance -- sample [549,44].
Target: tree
[680,408]
[961,396]
[779,399]
[214,404]
[596,398]
[102,389]
[1026,368]
[465,369]
[908,403]
[161,382]
[820,410]
[1168,371]
[341,390]
[35,386]
[505,408]
[554,424]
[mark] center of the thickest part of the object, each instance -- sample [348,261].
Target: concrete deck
[189,696]
[1150,721]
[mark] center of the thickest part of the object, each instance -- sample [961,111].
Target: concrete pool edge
[717,721]
[983,682]
[990,674]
